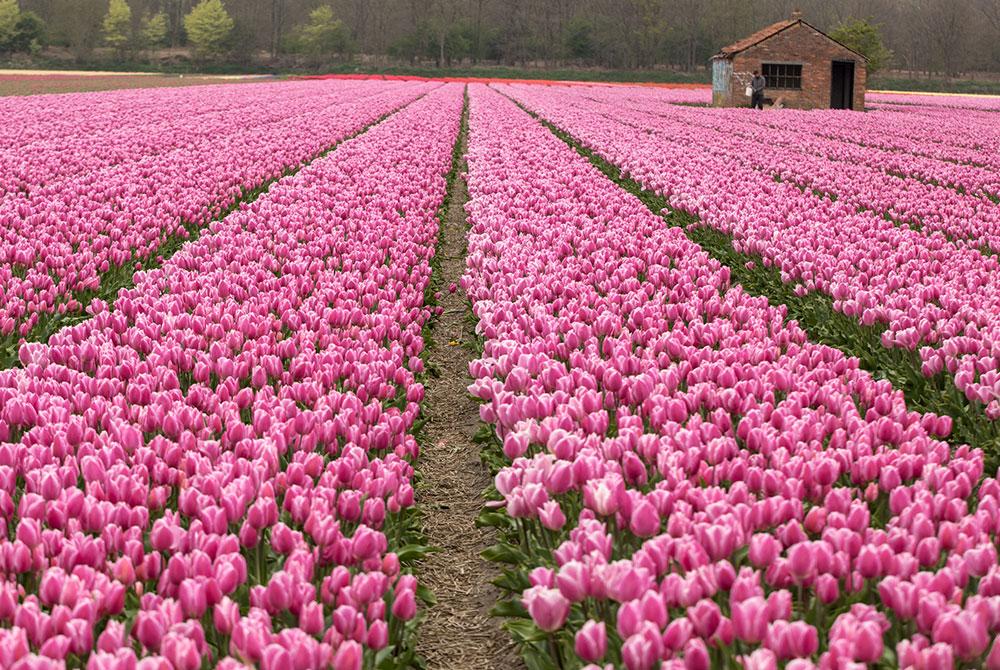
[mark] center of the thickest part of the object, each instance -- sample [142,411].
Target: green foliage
[29,33]
[154,30]
[19,31]
[579,39]
[423,43]
[208,27]
[117,25]
[9,14]
[651,32]
[412,45]
[866,39]
[978,87]
[324,33]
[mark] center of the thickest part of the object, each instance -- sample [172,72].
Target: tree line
[934,36]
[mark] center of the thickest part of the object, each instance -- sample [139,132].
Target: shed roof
[768,33]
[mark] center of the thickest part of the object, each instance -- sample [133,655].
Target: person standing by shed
[757,85]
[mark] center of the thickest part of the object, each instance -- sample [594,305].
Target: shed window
[782,75]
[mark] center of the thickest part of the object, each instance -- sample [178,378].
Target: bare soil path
[458,632]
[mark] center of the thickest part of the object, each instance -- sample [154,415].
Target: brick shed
[804,67]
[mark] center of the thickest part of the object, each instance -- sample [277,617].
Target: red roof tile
[771,31]
[758,36]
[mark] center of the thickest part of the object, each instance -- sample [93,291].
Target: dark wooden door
[842,85]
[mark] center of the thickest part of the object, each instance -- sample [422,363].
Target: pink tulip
[640,652]
[750,619]
[348,656]
[966,634]
[547,607]
[761,659]
[696,655]
[148,630]
[993,658]
[705,617]
[591,641]
[181,652]
[677,634]
[573,581]
[405,605]
[763,550]
[792,640]
[551,515]
[378,635]
[645,520]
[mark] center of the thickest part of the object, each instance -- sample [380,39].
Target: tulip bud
[348,656]
[405,605]
[378,635]
[311,618]
[225,616]
[547,607]
[763,550]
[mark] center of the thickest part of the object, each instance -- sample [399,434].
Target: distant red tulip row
[87,189]
[688,481]
[219,470]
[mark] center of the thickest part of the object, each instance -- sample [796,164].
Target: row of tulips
[919,102]
[687,481]
[921,192]
[927,193]
[219,469]
[937,142]
[61,235]
[912,153]
[938,147]
[91,128]
[872,161]
[962,137]
[928,295]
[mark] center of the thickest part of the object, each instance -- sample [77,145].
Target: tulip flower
[591,641]
[750,619]
[547,607]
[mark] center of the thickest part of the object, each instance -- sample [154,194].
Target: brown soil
[458,632]
[17,82]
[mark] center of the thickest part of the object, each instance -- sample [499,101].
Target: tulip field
[737,376]
[102,193]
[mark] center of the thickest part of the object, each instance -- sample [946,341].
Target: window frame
[787,78]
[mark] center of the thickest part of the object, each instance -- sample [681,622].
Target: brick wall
[815,52]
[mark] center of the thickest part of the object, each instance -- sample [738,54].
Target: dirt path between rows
[458,632]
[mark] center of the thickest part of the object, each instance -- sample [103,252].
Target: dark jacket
[758,83]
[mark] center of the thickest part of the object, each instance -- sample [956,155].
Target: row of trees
[209,30]
[207,27]
[948,36]
[19,31]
